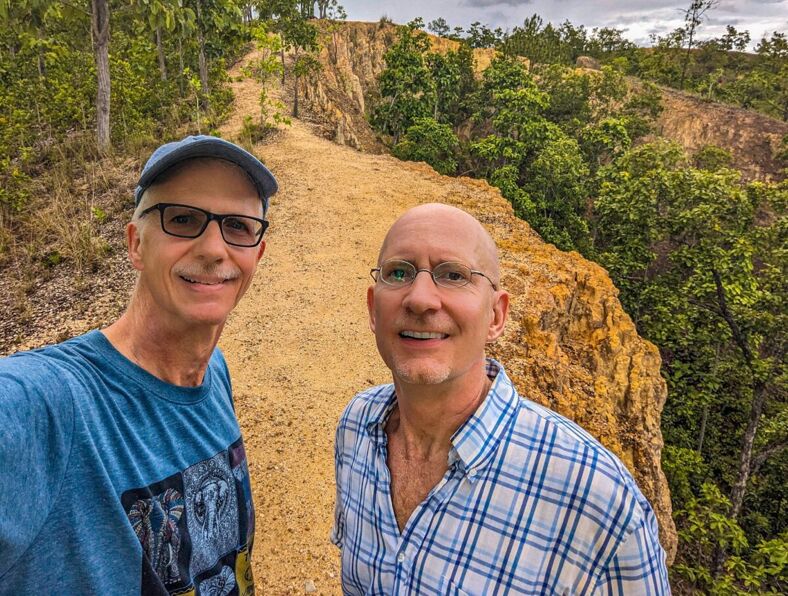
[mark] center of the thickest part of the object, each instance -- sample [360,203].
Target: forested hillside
[696,249]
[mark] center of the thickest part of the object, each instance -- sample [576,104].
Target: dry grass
[65,240]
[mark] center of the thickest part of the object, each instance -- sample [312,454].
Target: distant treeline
[719,69]
[699,256]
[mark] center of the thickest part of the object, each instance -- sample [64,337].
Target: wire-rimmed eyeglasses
[185,221]
[397,273]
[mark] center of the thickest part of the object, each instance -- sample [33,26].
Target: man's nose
[422,295]
[211,244]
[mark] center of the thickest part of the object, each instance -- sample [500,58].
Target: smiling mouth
[423,335]
[202,281]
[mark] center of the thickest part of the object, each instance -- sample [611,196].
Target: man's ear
[134,245]
[371,307]
[261,250]
[500,309]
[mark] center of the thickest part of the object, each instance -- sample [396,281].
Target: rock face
[752,138]
[569,344]
[352,55]
[587,62]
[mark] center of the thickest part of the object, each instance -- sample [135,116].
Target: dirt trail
[298,346]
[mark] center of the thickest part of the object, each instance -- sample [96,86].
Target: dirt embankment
[298,345]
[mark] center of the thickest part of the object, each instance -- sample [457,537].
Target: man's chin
[421,374]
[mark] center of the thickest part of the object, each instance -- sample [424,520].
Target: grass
[67,204]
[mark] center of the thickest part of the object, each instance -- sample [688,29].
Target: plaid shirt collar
[476,440]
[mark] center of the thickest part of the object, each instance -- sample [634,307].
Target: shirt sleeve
[338,531]
[638,566]
[36,428]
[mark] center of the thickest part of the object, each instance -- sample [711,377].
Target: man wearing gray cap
[122,468]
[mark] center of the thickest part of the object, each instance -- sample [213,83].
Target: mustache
[424,323]
[223,271]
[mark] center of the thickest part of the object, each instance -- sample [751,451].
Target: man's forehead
[434,227]
[435,233]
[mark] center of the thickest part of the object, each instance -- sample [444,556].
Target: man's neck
[175,354]
[428,415]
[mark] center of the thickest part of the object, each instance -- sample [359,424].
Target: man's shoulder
[365,406]
[37,393]
[47,367]
[571,450]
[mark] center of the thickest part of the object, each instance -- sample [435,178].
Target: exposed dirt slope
[299,347]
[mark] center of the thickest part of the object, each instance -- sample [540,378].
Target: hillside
[298,346]
[353,57]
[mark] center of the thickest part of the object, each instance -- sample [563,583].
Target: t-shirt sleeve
[638,566]
[36,429]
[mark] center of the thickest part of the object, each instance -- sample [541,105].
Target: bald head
[449,229]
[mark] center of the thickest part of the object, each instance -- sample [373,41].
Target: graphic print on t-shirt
[196,527]
[211,511]
[155,521]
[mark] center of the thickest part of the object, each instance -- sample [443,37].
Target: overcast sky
[639,18]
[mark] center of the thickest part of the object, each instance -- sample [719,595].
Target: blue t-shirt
[115,482]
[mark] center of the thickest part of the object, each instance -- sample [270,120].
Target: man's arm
[36,428]
[638,567]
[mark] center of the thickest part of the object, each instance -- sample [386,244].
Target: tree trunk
[203,63]
[702,433]
[282,56]
[295,84]
[100,30]
[160,52]
[745,456]
[295,97]
[203,67]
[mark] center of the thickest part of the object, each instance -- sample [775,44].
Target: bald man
[448,482]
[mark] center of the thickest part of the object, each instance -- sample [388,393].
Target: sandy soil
[298,345]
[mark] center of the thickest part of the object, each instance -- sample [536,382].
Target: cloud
[486,3]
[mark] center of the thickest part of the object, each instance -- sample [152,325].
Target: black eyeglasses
[446,275]
[185,221]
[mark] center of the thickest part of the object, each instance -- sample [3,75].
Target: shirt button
[401,557]
[471,474]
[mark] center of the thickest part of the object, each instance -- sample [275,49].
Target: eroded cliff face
[352,55]
[752,138]
[569,344]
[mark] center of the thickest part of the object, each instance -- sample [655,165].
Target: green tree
[429,141]
[407,91]
[693,17]
[701,271]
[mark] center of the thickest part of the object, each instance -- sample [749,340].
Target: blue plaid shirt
[530,504]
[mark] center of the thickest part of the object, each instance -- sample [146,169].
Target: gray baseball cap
[173,153]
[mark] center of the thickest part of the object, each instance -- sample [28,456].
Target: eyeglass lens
[188,222]
[448,275]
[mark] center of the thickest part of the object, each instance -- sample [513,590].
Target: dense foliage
[717,69]
[698,254]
